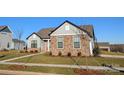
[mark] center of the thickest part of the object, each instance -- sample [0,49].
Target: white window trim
[57,42]
[73,42]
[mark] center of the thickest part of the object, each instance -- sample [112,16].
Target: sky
[107,29]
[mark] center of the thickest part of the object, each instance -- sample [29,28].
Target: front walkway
[61,66]
[21,57]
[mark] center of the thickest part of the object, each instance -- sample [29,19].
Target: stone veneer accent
[68,46]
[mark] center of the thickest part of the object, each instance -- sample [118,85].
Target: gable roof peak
[2,27]
[5,29]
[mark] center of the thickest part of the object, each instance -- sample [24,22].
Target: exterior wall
[5,38]
[39,43]
[85,48]
[15,45]
[68,46]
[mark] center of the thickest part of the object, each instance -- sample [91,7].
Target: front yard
[54,70]
[11,54]
[47,59]
[92,61]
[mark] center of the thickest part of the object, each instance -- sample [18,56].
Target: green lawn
[11,54]
[112,53]
[46,59]
[55,70]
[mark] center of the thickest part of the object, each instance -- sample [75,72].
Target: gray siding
[39,41]
[5,39]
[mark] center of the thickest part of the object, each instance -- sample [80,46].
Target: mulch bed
[87,72]
[17,67]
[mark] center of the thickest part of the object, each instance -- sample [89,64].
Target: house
[117,48]
[5,37]
[6,40]
[105,46]
[18,44]
[67,38]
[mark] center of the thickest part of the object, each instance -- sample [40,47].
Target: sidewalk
[11,72]
[61,66]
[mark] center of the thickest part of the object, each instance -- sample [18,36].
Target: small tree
[18,34]
[96,50]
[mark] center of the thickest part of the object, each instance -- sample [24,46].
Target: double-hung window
[60,42]
[76,41]
[34,44]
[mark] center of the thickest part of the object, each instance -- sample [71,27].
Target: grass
[112,53]
[11,54]
[55,70]
[95,61]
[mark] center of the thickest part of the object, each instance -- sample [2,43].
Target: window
[67,27]
[34,44]
[76,41]
[60,42]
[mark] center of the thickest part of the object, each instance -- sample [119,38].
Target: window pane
[76,44]
[34,44]
[76,41]
[60,44]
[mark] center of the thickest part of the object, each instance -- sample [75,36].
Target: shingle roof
[88,28]
[5,29]
[45,33]
[2,27]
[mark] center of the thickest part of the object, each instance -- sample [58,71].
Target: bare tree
[18,35]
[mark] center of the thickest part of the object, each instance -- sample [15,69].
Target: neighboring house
[117,47]
[105,46]
[18,44]
[66,38]
[5,38]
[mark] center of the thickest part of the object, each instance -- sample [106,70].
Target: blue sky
[107,29]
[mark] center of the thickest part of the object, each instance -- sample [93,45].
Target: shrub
[5,49]
[36,51]
[26,51]
[50,53]
[21,51]
[31,51]
[79,54]
[69,54]
[17,67]
[96,51]
[59,53]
